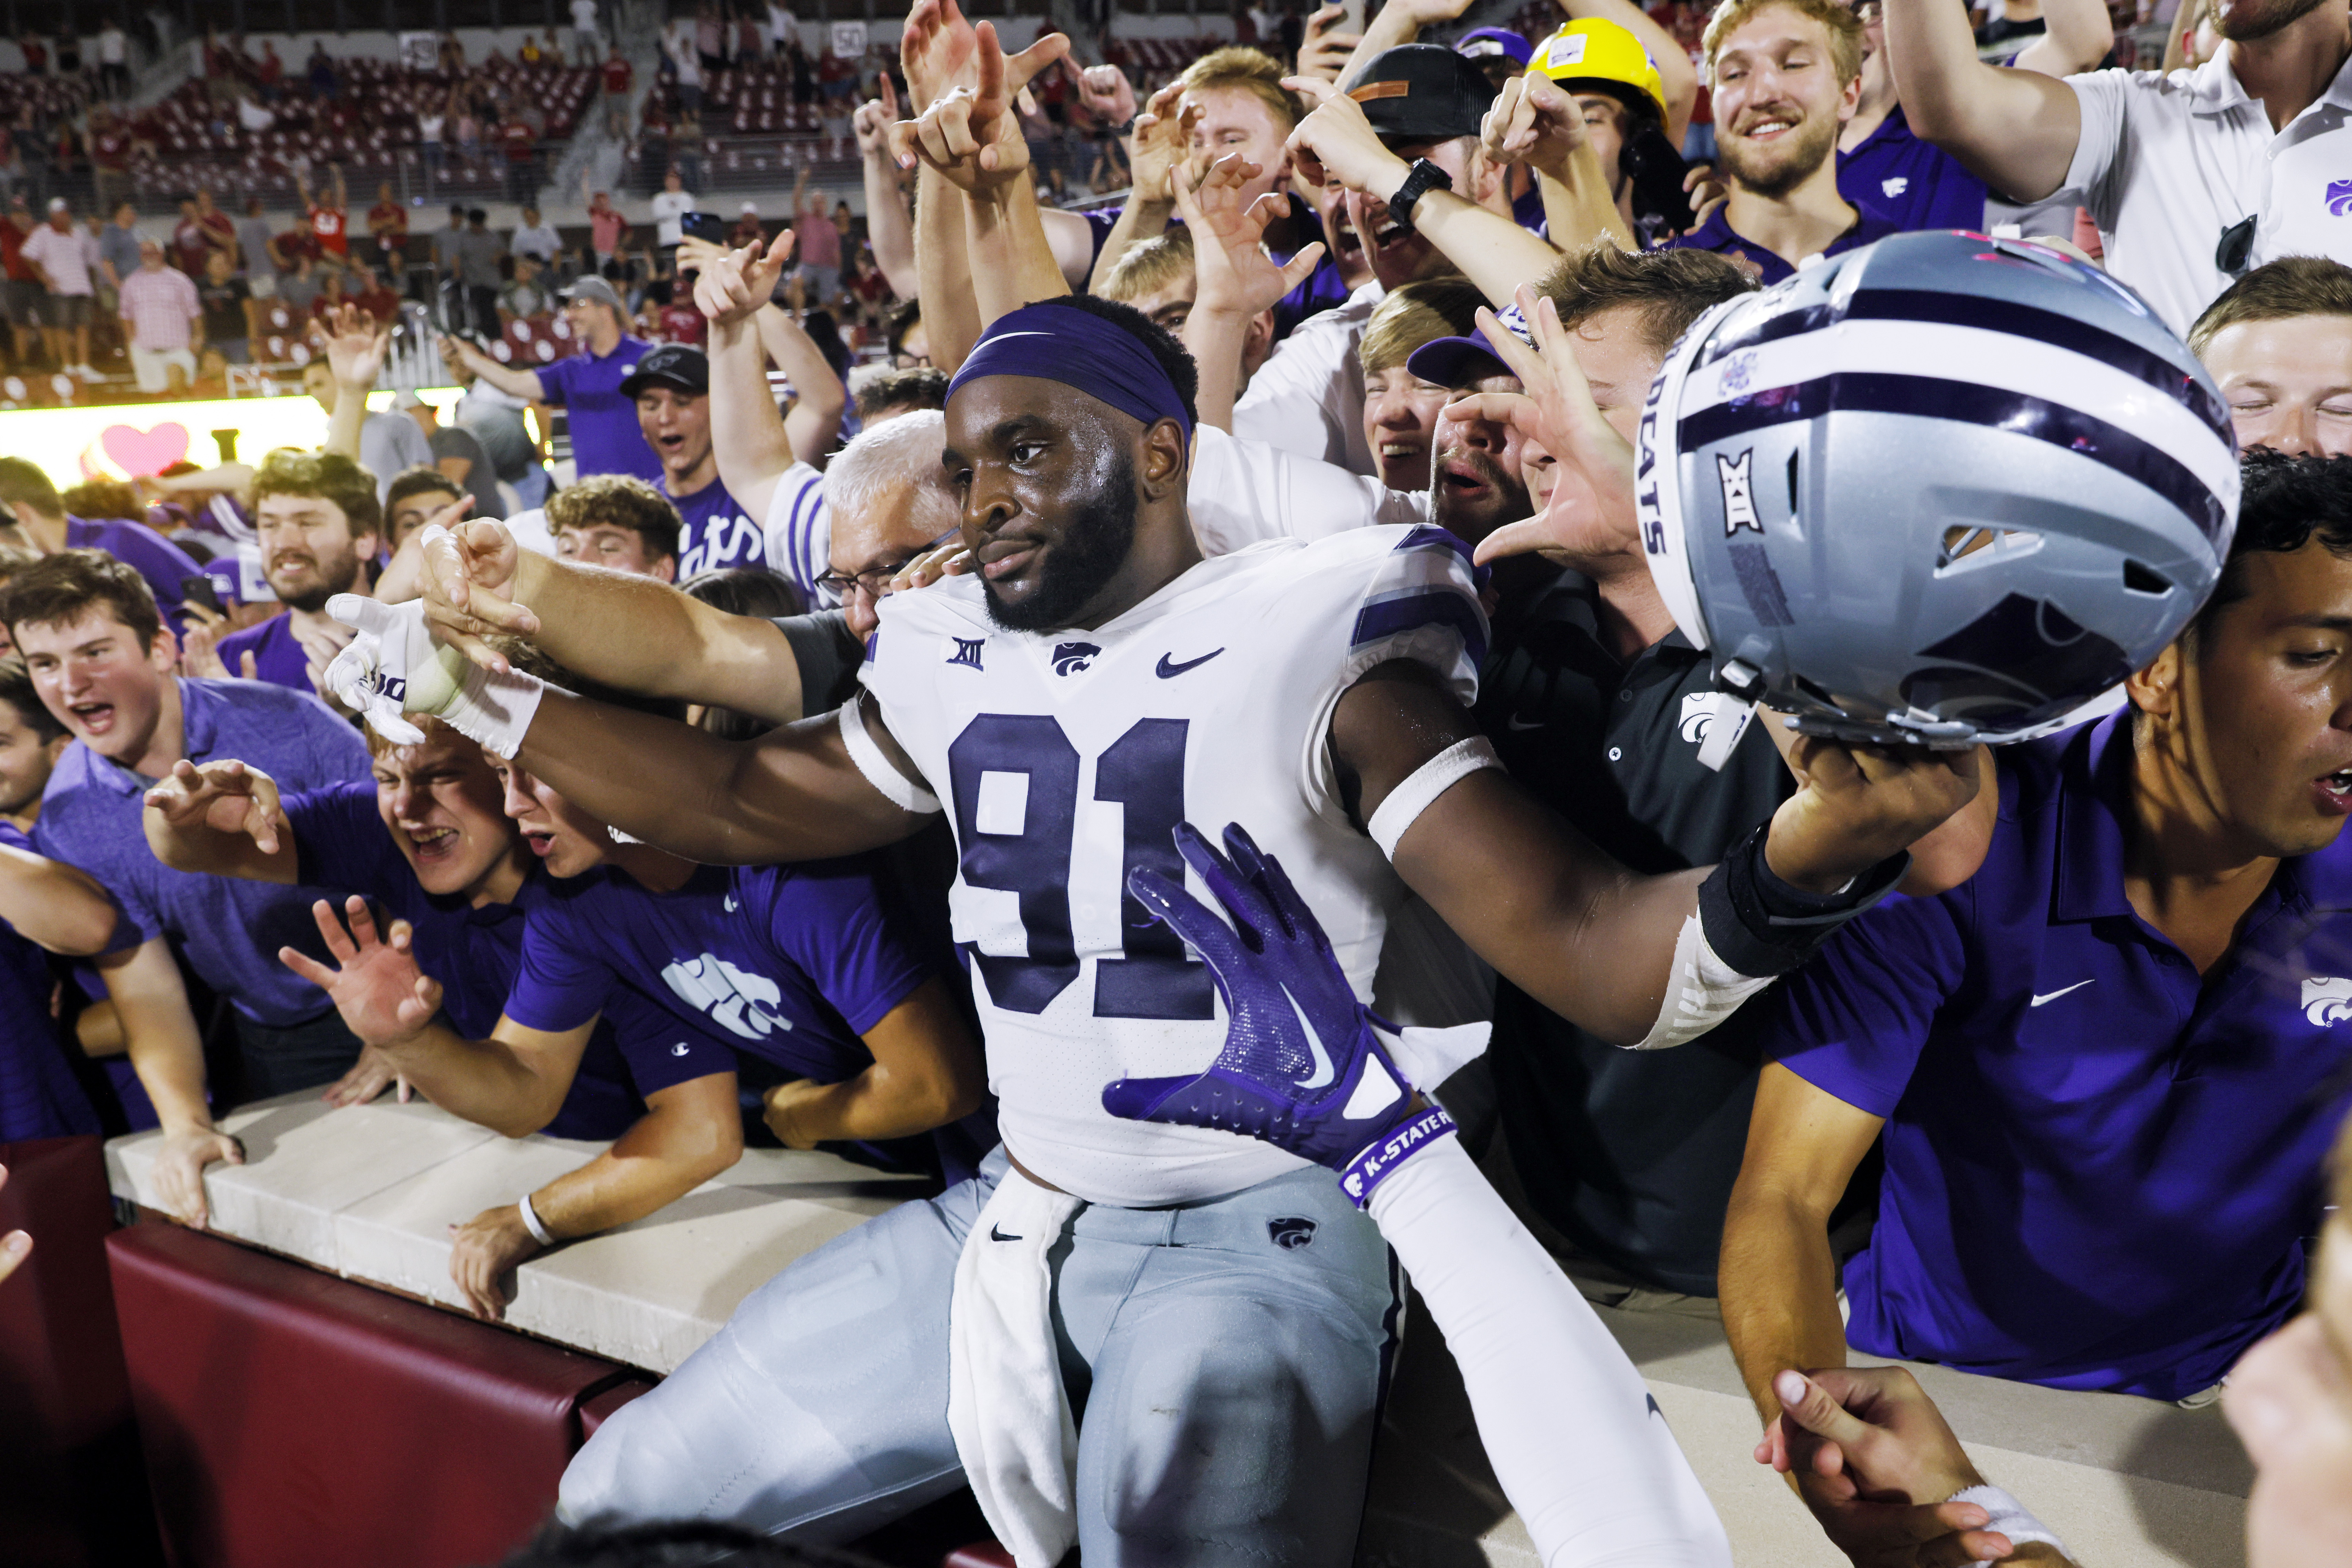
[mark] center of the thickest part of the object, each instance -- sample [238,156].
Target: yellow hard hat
[1599,52]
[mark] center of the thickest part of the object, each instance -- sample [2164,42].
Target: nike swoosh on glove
[1303,1066]
[392,667]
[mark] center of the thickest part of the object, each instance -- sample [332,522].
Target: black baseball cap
[681,365]
[1423,92]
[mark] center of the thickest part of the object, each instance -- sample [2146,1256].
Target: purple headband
[1053,341]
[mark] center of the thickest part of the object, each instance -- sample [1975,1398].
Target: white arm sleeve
[1580,1447]
[1701,991]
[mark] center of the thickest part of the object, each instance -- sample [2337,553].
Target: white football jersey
[1064,759]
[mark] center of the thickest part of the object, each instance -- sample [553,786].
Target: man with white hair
[886,501]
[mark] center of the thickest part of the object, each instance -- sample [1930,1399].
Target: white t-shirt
[1243,491]
[1308,397]
[2166,163]
[583,15]
[781,22]
[390,443]
[253,116]
[799,532]
[111,45]
[542,242]
[1067,757]
[65,256]
[669,207]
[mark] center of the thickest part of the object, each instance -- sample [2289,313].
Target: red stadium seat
[291,1418]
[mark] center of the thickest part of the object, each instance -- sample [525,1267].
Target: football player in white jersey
[1214,1308]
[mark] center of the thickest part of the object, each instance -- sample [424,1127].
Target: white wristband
[894,786]
[1433,778]
[2010,1518]
[531,1222]
[493,710]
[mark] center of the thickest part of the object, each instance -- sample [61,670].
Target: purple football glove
[1302,1068]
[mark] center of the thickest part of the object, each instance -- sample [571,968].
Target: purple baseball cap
[1485,43]
[1457,362]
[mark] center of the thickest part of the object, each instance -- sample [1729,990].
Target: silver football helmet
[1941,490]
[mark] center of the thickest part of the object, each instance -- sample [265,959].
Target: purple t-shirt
[1916,184]
[605,439]
[715,531]
[790,963]
[2101,1168]
[229,930]
[278,655]
[40,1097]
[164,564]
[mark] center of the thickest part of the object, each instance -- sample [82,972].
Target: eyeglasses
[874,579]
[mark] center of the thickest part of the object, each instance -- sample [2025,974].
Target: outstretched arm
[819,397]
[1336,139]
[890,225]
[513,1083]
[355,347]
[731,288]
[222,819]
[159,1031]
[2015,129]
[50,902]
[1163,131]
[691,1132]
[2078,35]
[1236,281]
[1676,71]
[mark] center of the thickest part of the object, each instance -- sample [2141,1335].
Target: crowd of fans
[2054,1115]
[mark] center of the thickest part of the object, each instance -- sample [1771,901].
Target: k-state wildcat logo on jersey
[1069,657]
[742,1001]
[2327,1000]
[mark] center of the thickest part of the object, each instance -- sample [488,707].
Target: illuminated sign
[133,440]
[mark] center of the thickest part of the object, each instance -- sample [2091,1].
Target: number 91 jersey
[1065,760]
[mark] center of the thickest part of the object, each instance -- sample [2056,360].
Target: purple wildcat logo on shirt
[2340,198]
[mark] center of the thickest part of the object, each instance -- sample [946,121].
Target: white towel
[1006,1406]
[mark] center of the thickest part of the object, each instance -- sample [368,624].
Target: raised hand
[392,667]
[1590,512]
[227,796]
[1857,804]
[872,121]
[1301,1067]
[1162,143]
[466,571]
[937,52]
[355,347]
[200,645]
[1533,121]
[1324,51]
[1233,274]
[970,135]
[1335,141]
[375,984]
[733,285]
[1105,91]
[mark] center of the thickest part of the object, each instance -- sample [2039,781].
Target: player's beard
[334,577]
[1775,172]
[2251,19]
[1078,566]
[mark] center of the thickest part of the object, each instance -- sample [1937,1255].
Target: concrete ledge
[370,1193]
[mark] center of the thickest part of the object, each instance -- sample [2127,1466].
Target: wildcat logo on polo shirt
[2327,1000]
[1703,709]
[2340,198]
[1896,187]
[735,997]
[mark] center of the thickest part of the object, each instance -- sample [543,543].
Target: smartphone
[1353,22]
[703,225]
[198,589]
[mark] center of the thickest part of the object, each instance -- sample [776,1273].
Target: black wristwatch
[1419,181]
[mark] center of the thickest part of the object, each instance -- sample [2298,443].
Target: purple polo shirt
[714,533]
[1916,184]
[277,656]
[341,841]
[1718,234]
[605,439]
[2100,1170]
[40,1097]
[164,564]
[229,930]
[790,963]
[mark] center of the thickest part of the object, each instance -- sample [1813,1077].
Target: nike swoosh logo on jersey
[996,1233]
[730,904]
[1166,670]
[1324,1072]
[2053,995]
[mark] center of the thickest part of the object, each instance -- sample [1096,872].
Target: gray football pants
[1225,1359]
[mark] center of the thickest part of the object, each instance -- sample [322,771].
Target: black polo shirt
[1629,1154]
